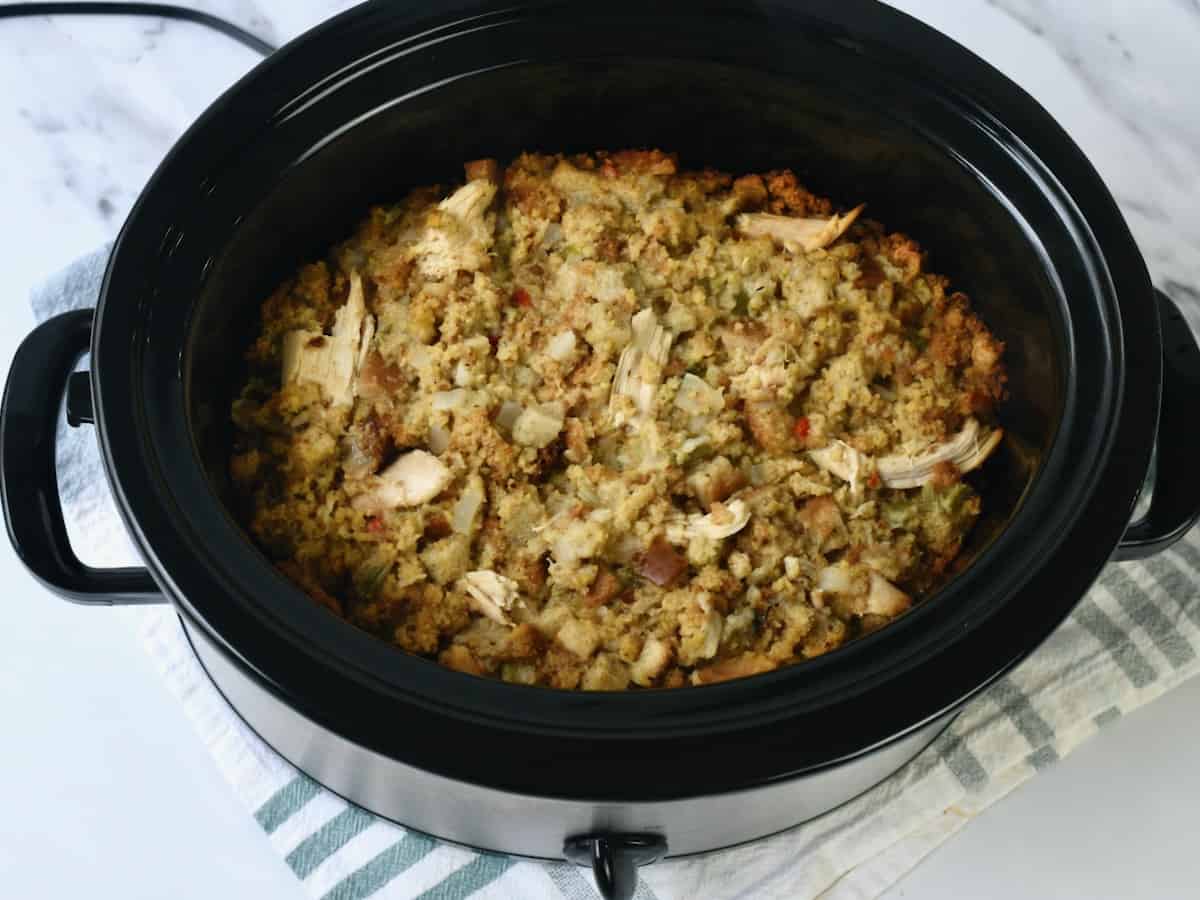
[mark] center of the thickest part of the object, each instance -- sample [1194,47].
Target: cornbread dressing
[592,422]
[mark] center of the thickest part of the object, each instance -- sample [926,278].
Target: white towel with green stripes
[1134,636]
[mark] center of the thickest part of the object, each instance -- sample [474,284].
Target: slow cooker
[866,104]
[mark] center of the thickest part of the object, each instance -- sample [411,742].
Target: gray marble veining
[91,105]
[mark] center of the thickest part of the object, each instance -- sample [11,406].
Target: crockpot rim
[129,497]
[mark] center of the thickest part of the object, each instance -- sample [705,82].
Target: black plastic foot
[615,858]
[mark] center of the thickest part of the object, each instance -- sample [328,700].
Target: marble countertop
[107,790]
[91,105]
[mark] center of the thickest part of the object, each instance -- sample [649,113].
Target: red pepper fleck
[801,428]
[374,524]
[521,297]
[874,481]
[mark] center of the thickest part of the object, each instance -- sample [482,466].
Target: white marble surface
[106,791]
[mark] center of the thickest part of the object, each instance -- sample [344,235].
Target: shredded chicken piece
[843,461]
[491,594]
[967,450]
[366,336]
[470,201]
[640,368]
[333,361]
[459,232]
[725,520]
[415,478]
[797,233]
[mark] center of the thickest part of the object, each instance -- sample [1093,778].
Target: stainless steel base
[534,826]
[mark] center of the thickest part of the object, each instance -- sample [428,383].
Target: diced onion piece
[509,411]
[439,440]
[362,452]
[464,518]
[444,401]
[714,626]
[697,398]
[690,446]
[835,580]
[561,346]
[552,235]
[538,426]
[418,356]
[525,377]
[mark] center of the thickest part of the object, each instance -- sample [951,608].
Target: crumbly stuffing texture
[593,422]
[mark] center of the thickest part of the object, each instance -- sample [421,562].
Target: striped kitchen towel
[1133,637]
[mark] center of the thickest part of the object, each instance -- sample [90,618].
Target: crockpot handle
[614,859]
[28,477]
[1175,497]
